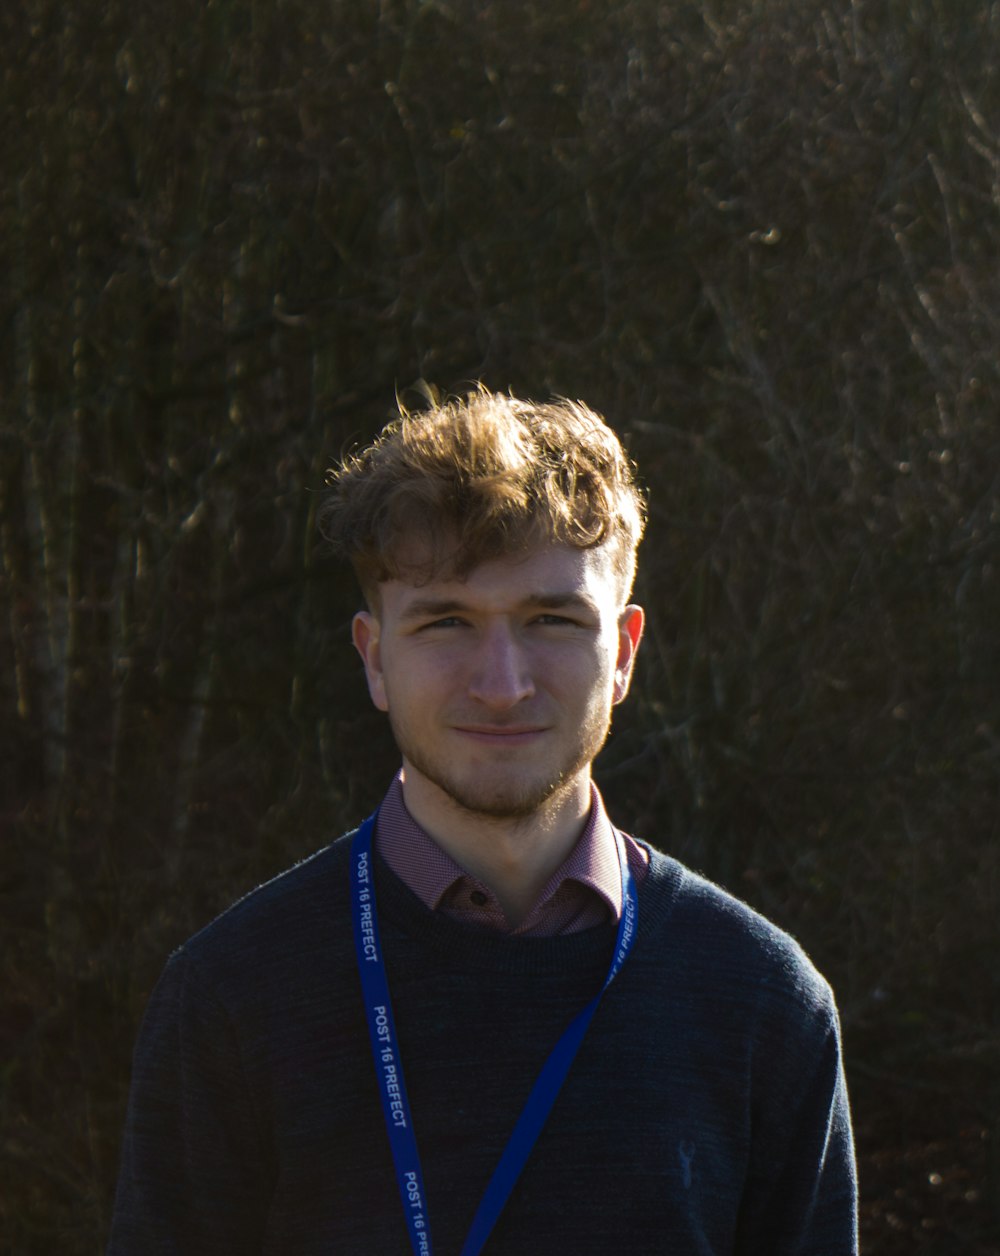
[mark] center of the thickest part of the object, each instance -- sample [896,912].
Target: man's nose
[502,675]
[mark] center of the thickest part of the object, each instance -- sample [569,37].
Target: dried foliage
[761,235]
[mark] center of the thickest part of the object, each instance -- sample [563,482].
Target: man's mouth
[502,734]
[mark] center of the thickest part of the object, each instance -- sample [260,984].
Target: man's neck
[514,857]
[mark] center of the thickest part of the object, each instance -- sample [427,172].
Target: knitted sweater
[704,1114]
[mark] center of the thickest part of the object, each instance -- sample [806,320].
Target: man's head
[483,477]
[495,543]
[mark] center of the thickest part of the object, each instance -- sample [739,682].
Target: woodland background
[761,235]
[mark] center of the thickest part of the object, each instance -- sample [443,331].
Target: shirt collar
[431,873]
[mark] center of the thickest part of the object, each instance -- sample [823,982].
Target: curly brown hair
[479,477]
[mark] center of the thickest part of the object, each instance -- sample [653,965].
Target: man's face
[499,687]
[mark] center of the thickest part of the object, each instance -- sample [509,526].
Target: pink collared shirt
[584,891]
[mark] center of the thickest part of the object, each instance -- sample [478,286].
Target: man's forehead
[544,573]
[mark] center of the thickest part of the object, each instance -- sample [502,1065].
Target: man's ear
[365,635]
[630,626]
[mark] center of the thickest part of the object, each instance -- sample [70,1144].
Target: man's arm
[801,1198]
[193,1179]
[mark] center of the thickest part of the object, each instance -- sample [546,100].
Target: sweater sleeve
[193,1180]
[801,1197]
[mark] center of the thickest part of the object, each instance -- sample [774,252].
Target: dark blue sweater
[705,1112]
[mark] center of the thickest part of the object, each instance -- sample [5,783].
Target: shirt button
[479,898]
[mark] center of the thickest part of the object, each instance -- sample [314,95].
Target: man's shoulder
[723,938]
[294,910]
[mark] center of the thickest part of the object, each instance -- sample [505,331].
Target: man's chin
[501,799]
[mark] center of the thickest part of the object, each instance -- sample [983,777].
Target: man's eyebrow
[430,608]
[561,601]
[439,608]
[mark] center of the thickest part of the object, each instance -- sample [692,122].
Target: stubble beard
[518,796]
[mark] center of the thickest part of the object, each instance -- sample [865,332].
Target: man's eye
[554,619]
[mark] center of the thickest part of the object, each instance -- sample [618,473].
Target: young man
[487,1020]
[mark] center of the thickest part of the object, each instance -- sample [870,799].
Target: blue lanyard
[389,1068]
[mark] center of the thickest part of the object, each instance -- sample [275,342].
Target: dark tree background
[761,235]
